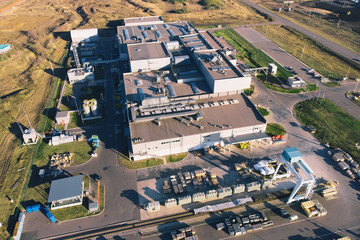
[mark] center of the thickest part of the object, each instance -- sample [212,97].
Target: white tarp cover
[261,164]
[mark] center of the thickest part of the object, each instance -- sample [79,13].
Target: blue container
[52,219]
[46,210]
[35,207]
[29,209]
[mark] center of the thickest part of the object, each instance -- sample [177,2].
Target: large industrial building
[184,90]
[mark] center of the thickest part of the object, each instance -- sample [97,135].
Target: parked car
[293,217]
[283,212]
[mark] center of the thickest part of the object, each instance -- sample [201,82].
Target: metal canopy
[65,188]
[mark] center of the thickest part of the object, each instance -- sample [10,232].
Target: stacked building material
[170,203]
[197,197]
[224,192]
[184,200]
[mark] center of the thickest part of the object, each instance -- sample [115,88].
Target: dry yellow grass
[5,3]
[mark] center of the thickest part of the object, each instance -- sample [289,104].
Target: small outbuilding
[296,82]
[4,48]
[84,35]
[62,117]
[66,192]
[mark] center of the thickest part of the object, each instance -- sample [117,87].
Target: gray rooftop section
[196,41]
[62,114]
[215,119]
[65,188]
[147,51]
[137,31]
[218,69]
[136,21]
[147,80]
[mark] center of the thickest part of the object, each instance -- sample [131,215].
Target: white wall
[165,147]
[87,35]
[232,84]
[149,64]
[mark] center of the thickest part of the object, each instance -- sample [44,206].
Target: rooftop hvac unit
[126,34]
[141,94]
[171,91]
[157,32]
[171,32]
[195,88]
[146,36]
[183,31]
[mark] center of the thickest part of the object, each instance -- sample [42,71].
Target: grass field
[125,161]
[251,55]
[263,111]
[315,55]
[274,129]
[333,125]
[249,91]
[343,35]
[81,152]
[176,158]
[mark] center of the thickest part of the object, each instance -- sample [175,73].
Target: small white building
[30,136]
[57,140]
[148,56]
[66,192]
[272,68]
[78,75]
[84,35]
[62,117]
[4,48]
[296,82]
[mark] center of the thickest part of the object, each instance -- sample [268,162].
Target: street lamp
[324,134]
[357,83]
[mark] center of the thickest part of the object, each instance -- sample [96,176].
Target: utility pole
[357,83]
[52,68]
[26,115]
[347,72]
[339,23]
[303,51]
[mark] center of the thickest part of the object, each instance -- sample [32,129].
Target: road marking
[10,5]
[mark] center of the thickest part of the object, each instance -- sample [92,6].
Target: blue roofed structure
[4,48]
[292,154]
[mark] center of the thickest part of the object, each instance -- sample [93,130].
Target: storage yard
[195,187]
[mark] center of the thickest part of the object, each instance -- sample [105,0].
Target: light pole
[357,83]
[324,134]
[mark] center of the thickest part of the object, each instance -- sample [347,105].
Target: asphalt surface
[343,213]
[335,94]
[121,183]
[121,199]
[333,46]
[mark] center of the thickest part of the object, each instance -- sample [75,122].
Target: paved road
[120,183]
[333,46]
[335,94]
[343,213]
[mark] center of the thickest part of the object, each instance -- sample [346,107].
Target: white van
[293,217]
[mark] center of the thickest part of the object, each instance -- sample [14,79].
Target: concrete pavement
[333,46]
[335,94]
